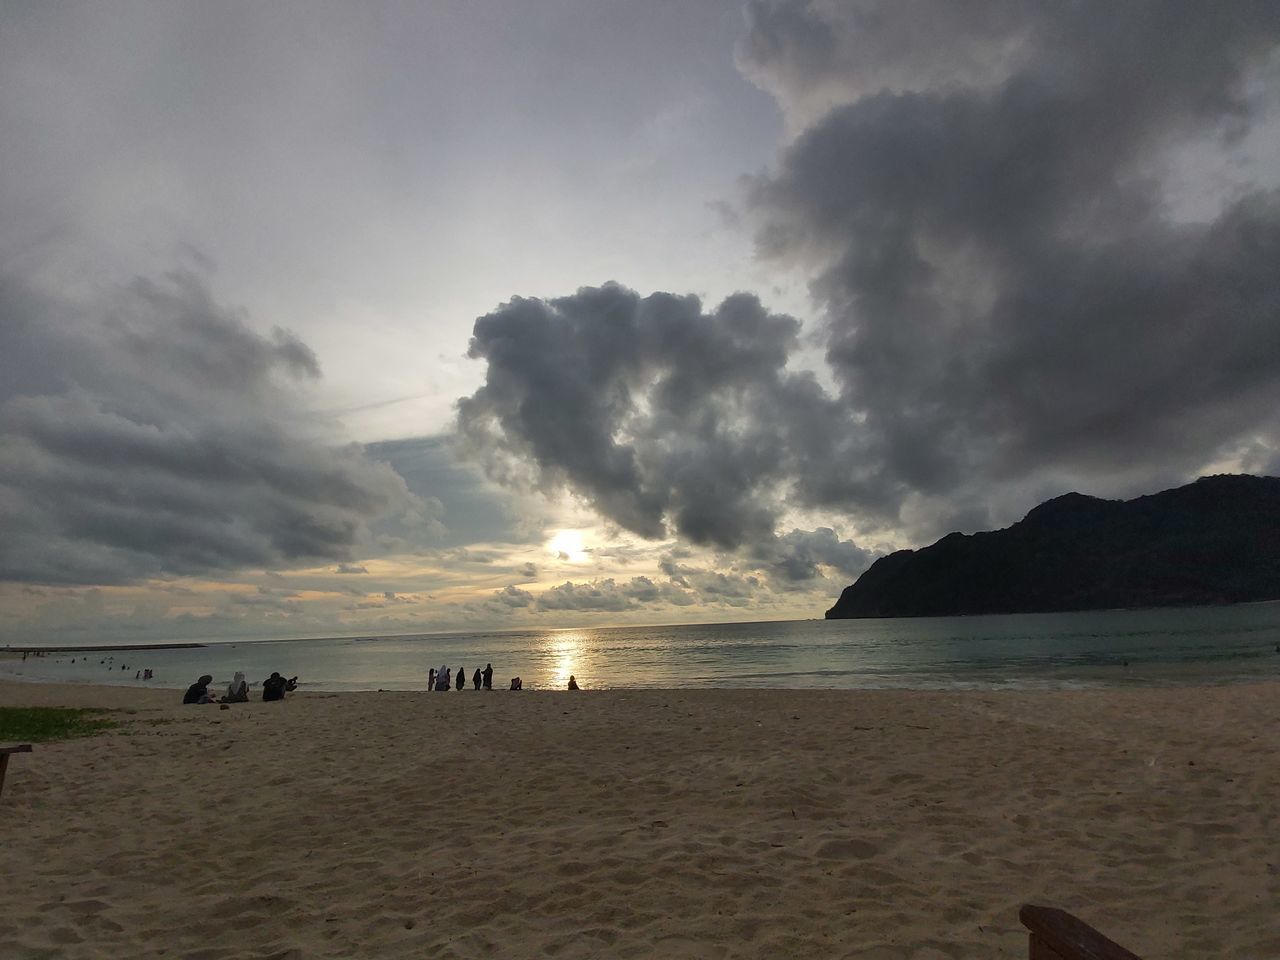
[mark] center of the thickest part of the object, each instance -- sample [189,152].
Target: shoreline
[1167,675]
[17,691]
[645,822]
[108,648]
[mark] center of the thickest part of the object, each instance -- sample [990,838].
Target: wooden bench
[4,759]
[1057,935]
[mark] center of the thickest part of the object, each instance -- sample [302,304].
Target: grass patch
[27,724]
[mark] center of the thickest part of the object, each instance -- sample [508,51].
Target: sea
[1024,651]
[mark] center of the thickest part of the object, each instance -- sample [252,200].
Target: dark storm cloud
[801,554]
[163,437]
[1030,272]
[1007,285]
[657,413]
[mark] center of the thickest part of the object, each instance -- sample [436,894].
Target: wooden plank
[4,759]
[1057,935]
[1042,951]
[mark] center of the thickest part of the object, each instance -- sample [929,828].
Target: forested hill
[1213,541]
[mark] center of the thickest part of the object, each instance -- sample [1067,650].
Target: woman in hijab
[237,689]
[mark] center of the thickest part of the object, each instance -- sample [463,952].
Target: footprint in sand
[847,850]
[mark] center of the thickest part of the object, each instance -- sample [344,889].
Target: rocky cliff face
[1213,541]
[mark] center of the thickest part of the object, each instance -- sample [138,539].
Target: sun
[567,545]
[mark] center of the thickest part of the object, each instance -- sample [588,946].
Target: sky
[322,319]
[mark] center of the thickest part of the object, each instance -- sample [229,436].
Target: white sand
[645,824]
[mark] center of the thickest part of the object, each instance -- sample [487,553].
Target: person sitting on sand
[488,676]
[198,692]
[516,684]
[237,689]
[476,678]
[274,686]
[573,683]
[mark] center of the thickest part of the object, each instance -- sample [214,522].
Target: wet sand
[697,823]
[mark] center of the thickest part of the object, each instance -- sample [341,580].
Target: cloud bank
[163,437]
[1006,281]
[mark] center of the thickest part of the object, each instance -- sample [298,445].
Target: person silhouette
[488,676]
[573,683]
[462,678]
[476,679]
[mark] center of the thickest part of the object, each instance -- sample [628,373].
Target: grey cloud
[594,596]
[166,439]
[658,413]
[710,586]
[800,555]
[349,568]
[388,598]
[1006,287]
[514,597]
[463,556]
[598,596]
[609,596]
[814,54]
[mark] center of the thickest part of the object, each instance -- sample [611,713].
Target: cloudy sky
[330,319]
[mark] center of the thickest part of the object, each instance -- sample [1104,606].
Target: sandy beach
[712,823]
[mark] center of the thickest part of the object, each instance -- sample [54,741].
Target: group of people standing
[443,678]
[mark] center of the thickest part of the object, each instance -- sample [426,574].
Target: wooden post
[4,759]
[1057,935]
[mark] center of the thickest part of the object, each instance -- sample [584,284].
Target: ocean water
[1123,647]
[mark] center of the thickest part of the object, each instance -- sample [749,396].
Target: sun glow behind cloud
[568,546]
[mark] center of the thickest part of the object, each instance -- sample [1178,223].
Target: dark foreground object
[1057,935]
[5,753]
[1213,541]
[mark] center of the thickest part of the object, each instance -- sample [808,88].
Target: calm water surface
[1214,644]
